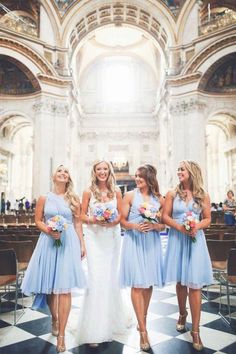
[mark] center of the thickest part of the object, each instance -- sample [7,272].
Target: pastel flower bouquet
[105,212]
[57,223]
[149,212]
[189,222]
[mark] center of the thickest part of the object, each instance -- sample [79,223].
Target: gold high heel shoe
[180,325]
[144,341]
[197,344]
[55,329]
[60,346]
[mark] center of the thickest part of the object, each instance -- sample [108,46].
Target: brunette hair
[149,172]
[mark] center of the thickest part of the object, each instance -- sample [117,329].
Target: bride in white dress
[102,313]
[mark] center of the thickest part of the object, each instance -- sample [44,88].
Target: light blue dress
[186,261]
[141,260]
[53,269]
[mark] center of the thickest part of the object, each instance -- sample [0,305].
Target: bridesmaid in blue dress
[54,271]
[141,263]
[188,263]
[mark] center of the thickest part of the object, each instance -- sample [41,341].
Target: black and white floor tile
[32,334]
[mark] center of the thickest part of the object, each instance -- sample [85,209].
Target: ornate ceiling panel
[118,14]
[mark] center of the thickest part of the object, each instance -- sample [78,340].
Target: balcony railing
[217,23]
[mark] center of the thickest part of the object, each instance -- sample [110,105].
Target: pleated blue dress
[53,269]
[186,261]
[141,257]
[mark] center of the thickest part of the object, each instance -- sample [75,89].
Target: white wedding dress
[102,313]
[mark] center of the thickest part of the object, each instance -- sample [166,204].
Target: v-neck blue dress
[186,261]
[53,269]
[141,260]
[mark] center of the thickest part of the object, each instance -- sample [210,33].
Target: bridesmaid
[141,263]
[54,271]
[187,262]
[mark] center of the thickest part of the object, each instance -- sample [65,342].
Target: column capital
[185,106]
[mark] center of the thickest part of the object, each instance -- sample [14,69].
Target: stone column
[50,141]
[188,131]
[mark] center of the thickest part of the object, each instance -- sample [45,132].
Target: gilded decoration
[215,15]
[15,81]
[20,24]
[21,16]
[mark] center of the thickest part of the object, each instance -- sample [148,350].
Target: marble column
[188,131]
[50,140]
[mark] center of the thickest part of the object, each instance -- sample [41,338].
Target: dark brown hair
[149,173]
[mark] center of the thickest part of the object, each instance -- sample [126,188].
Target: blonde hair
[110,182]
[196,182]
[149,172]
[70,196]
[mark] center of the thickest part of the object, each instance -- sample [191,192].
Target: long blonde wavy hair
[110,183]
[196,182]
[70,196]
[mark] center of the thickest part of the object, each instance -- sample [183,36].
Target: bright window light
[118,80]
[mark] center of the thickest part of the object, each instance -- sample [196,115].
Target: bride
[102,312]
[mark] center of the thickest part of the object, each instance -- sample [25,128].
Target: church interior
[131,82]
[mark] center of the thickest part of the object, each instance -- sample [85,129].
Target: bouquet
[149,212]
[189,222]
[105,212]
[57,223]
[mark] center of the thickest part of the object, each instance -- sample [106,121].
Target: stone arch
[27,55]
[203,60]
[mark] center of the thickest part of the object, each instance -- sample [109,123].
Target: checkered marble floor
[32,334]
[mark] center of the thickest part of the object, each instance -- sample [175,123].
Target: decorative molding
[193,66]
[118,14]
[184,106]
[51,106]
[115,135]
[54,80]
[29,53]
[182,80]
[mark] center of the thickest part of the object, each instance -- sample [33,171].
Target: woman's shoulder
[171,194]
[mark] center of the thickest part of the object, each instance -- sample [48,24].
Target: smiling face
[140,180]
[230,195]
[102,171]
[183,173]
[61,175]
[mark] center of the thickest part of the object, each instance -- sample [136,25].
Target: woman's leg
[138,300]
[147,297]
[52,301]
[182,293]
[64,306]
[195,301]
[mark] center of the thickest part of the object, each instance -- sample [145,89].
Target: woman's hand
[101,223]
[54,234]
[148,226]
[83,251]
